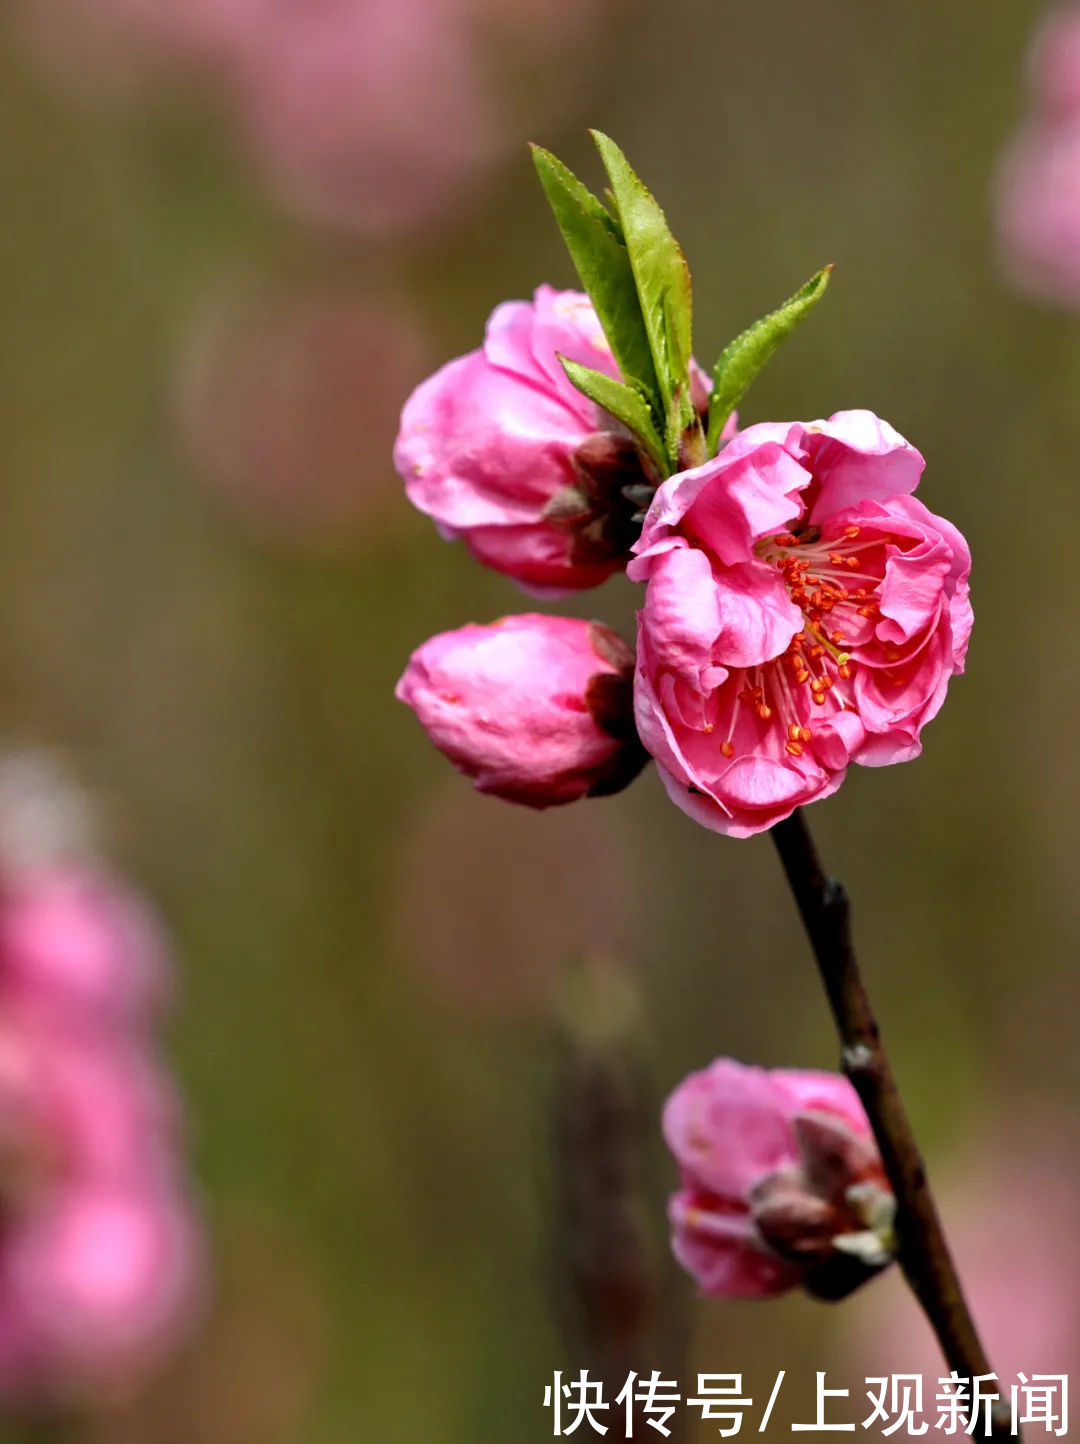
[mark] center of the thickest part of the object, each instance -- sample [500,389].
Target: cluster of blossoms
[1038,190]
[802,609]
[99,1245]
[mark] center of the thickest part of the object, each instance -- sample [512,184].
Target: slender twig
[924,1254]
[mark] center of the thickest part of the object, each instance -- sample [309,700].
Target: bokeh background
[216,288]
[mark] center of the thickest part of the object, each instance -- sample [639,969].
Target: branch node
[834,896]
[858,1058]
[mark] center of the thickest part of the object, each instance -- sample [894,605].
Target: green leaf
[625,403]
[746,356]
[661,276]
[595,242]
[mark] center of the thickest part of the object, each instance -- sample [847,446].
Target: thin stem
[924,1254]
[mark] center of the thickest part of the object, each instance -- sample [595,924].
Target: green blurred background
[369,953]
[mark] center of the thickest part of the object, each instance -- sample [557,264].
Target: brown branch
[924,1254]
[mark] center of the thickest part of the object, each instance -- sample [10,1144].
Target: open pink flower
[803,611]
[781,1182]
[536,709]
[499,448]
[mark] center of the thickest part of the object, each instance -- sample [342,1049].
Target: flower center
[830,583]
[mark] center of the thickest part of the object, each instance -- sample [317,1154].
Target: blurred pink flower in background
[100,1250]
[781,1182]
[376,116]
[1010,1208]
[286,402]
[370,114]
[76,935]
[552,887]
[1037,194]
[535,709]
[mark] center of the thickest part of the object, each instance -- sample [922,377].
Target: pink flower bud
[535,709]
[500,449]
[781,1183]
[803,611]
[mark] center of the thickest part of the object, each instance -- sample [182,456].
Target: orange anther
[817,651]
[851,531]
[844,672]
[709,728]
[836,559]
[853,563]
[836,638]
[794,749]
[727,749]
[764,711]
[818,698]
[805,734]
[794,732]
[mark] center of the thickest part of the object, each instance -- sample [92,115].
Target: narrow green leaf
[625,403]
[594,239]
[660,272]
[746,356]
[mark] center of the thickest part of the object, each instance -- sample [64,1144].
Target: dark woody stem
[924,1254]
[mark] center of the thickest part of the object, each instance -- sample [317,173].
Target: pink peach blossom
[781,1183]
[803,611]
[535,709]
[500,449]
